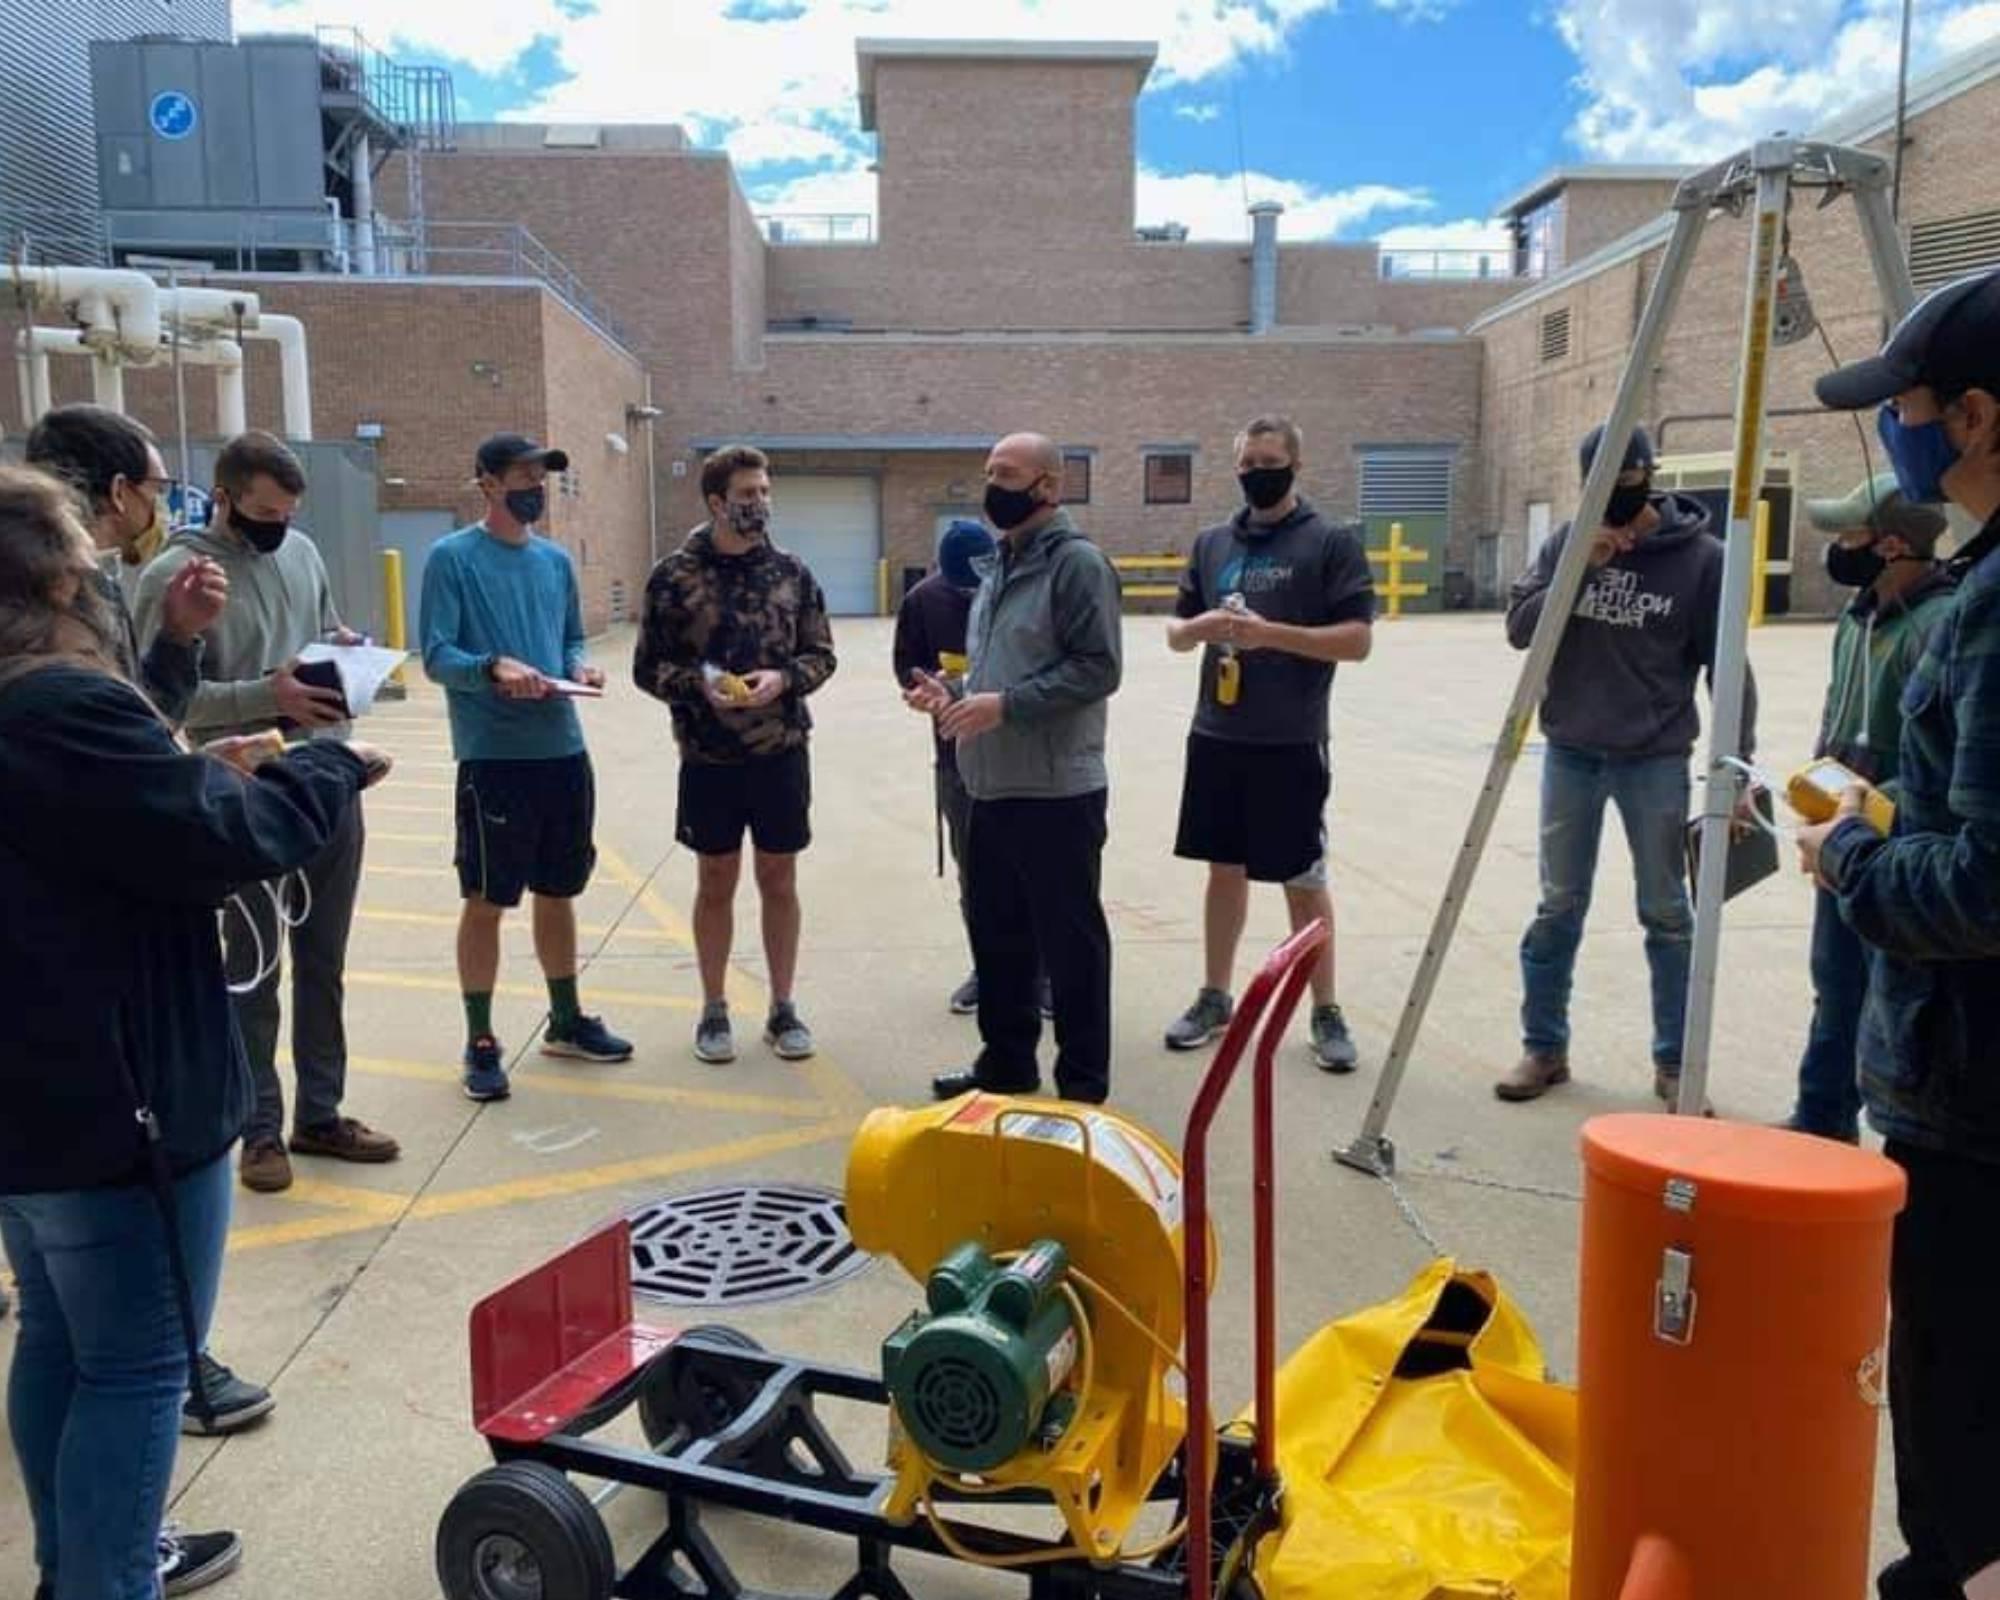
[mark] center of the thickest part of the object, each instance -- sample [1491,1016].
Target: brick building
[1005,287]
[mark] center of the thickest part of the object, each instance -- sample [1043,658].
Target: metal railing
[1448,265]
[817,227]
[418,100]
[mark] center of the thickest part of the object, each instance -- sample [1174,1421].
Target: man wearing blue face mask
[502,625]
[1927,900]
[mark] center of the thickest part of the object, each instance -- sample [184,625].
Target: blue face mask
[1921,455]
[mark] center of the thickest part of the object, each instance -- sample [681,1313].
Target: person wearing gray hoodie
[1028,723]
[280,601]
[1620,720]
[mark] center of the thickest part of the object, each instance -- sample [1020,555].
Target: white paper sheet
[363,669]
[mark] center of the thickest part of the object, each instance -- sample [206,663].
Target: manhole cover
[741,1245]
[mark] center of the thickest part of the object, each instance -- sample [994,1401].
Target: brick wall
[1535,411]
[1597,212]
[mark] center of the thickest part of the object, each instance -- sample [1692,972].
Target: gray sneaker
[965,998]
[1332,1045]
[713,1041]
[786,1034]
[1203,1022]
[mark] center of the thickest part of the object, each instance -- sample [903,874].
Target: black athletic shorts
[525,825]
[1261,807]
[771,796]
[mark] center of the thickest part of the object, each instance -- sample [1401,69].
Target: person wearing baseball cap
[1884,548]
[502,630]
[1926,898]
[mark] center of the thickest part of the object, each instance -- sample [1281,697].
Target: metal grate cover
[746,1244]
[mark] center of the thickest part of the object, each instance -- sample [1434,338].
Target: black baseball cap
[1949,342]
[505,450]
[1639,453]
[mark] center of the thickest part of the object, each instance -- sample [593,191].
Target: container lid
[1738,1169]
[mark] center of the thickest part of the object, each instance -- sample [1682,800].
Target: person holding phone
[251,681]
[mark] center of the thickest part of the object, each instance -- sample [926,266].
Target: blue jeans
[101,1369]
[1829,1091]
[1651,794]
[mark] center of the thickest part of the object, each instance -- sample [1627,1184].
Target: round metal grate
[957,1405]
[742,1245]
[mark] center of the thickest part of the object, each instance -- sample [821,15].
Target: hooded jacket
[1876,647]
[278,604]
[1643,630]
[930,624]
[1045,635]
[110,964]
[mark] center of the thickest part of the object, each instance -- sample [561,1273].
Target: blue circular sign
[172,114]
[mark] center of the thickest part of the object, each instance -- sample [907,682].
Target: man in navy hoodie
[1620,720]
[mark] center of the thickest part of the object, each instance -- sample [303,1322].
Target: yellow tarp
[1443,1487]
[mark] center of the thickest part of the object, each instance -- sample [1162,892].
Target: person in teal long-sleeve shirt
[502,632]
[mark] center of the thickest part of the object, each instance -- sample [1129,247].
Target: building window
[1555,335]
[1406,483]
[1538,240]
[1076,477]
[1953,248]
[1169,478]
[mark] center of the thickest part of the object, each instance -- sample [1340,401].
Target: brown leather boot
[264,1167]
[1534,1075]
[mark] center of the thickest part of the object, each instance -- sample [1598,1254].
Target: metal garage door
[834,525]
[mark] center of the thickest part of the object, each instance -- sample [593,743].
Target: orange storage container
[1730,1368]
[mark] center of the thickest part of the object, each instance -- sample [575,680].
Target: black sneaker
[191,1561]
[965,998]
[233,1402]
[485,1073]
[1203,1022]
[714,1041]
[586,1039]
[1333,1048]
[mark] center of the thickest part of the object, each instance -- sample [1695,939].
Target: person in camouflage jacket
[733,639]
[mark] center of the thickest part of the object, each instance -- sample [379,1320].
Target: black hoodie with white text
[1643,630]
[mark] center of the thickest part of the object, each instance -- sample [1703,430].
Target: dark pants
[1033,872]
[1829,1092]
[956,805]
[319,965]
[1944,1380]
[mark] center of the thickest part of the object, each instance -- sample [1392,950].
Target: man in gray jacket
[279,602]
[1045,656]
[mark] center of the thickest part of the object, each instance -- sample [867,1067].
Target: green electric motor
[973,1379]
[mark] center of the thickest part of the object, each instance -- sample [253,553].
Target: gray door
[413,533]
[834,525]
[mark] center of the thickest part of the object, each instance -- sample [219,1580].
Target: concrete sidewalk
[350,1293]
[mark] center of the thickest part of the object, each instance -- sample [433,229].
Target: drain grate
[742,1245]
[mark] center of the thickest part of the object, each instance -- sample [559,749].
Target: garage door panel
[834,525]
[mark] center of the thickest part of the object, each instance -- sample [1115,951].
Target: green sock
[564,1008]
[478,1015]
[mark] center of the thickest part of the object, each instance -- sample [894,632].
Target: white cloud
[1689,80]
[1211,204]
[756,144]
[1208,111]
[1468,233]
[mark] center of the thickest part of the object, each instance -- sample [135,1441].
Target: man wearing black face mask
[1275,598]
[280,600]
[1619,715]
[1926,899]
[1883,547]
[1029,724]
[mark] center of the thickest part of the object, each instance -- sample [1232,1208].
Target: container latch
[1674,1299]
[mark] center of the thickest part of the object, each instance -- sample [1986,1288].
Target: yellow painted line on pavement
[444,919]
[379,869]
[399,785]
[379,836]
[494,1196]
[582,1081]
[380,808]
[521,991]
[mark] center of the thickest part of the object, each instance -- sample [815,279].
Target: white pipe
[31,365]
[206,311]
[289,335]
[364,205]
[226,356]
[118,309]
[107,383]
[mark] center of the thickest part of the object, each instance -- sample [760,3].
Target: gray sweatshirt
[278,604]
[1044,635]
[1642,632]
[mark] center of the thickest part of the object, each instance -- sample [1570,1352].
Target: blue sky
[1409,119]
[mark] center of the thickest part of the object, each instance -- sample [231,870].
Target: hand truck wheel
[686,1398]
[523,1531]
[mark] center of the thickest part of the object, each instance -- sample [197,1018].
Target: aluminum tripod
[1760,181]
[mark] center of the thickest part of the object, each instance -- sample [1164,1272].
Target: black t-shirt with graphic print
[1304,570]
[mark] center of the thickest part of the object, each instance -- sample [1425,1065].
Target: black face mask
[1854,566]
[1265,487]
[1009,508]
[1626,502]
[263,537]
[527,505]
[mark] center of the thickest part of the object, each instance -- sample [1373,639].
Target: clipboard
[1752,858]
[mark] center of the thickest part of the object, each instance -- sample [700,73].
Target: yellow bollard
[395,628]
[1394,558]
[1760,559]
